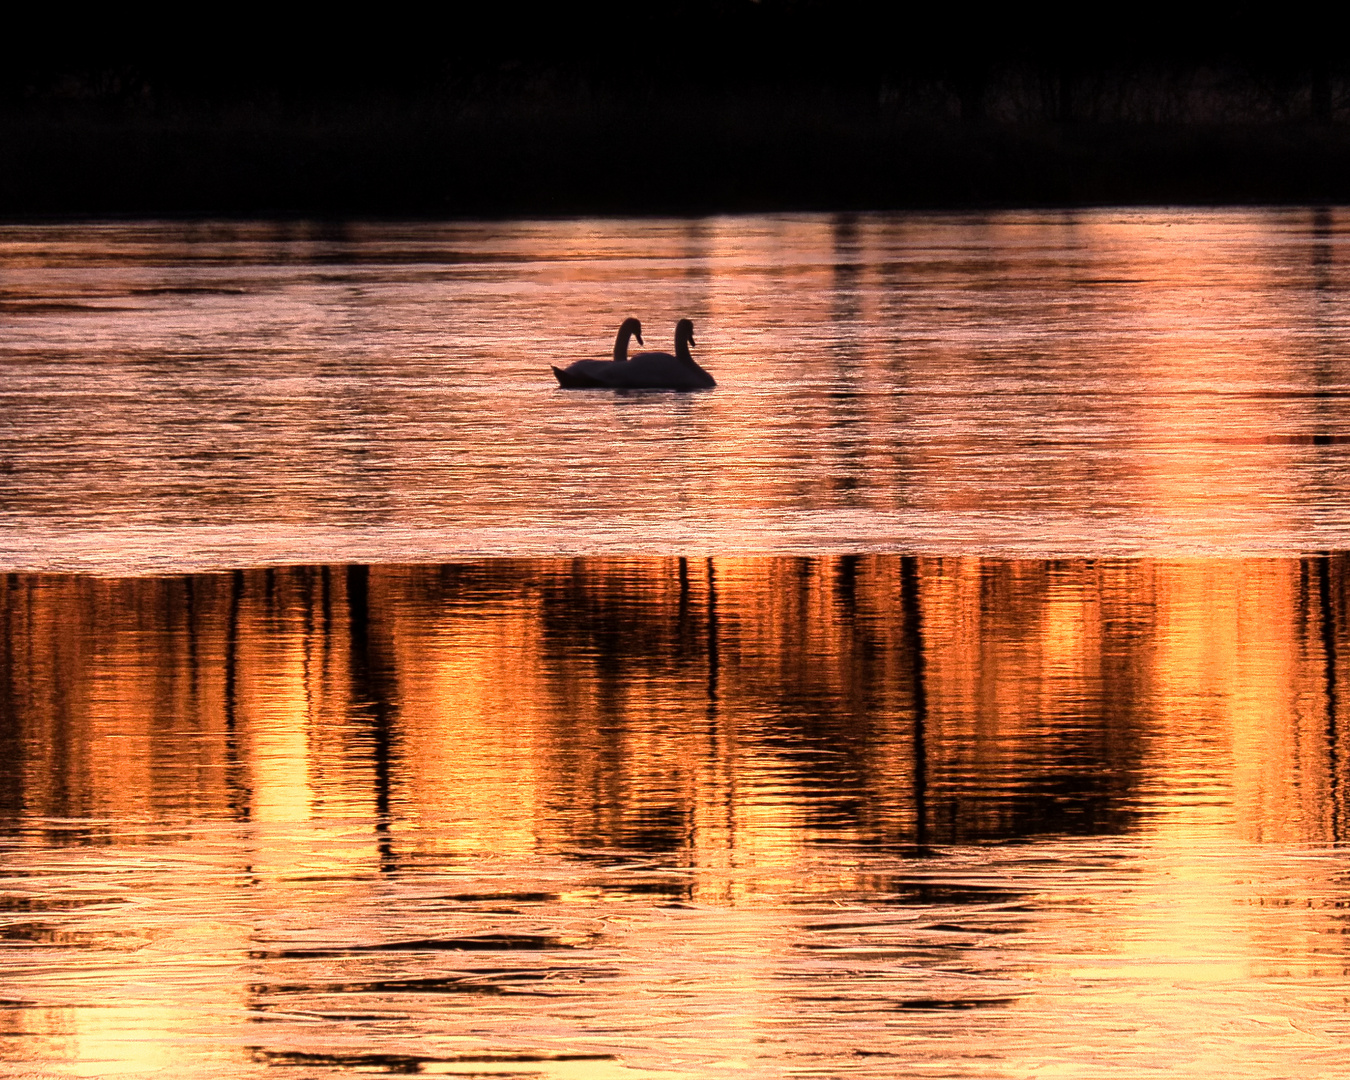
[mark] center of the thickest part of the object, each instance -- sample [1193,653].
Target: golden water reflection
[691,705]
[664,817]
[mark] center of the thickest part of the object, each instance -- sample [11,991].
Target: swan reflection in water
[645,371]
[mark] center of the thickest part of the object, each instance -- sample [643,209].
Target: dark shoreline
[670,107]
[410,163]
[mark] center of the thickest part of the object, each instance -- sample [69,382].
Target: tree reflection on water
[688,705]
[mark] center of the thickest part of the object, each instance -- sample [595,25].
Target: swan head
[684,331]
[633,327]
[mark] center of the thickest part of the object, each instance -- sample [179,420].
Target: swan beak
[638,334]
[691,340]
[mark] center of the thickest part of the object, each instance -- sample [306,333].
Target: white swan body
[646,371]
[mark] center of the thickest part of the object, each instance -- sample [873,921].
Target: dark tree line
[517,106]
[1074,58]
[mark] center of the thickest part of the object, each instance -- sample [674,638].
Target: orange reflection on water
[1034,384]
[676,814]
[700,705]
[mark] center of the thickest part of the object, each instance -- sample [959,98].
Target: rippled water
[1152,382]
[956,690]
[844,816]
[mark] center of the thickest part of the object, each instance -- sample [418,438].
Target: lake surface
[958,690]
[1142,383]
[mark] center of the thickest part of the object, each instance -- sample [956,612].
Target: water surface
[957,690]
[843,816]
[1090,382]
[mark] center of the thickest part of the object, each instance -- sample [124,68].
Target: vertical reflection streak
[326,577]
[371,696]
[714,660]
[234,763]
[192,632]
[1328,619]
[11,741]
[307,639]
[715,744]
[912,614]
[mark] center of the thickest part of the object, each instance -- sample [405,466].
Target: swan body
[588,373]
[645,371]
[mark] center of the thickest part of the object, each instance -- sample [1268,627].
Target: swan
[658,370]
[588,372]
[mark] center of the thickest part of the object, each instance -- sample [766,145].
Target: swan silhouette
[588,373]
[647,371]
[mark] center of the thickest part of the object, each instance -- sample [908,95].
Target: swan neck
[682,351]
[621,343]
